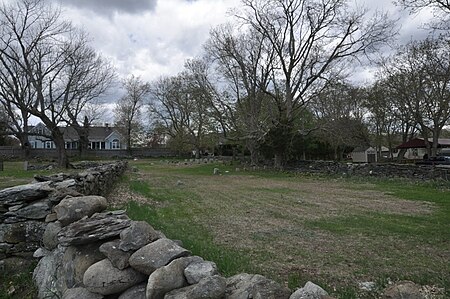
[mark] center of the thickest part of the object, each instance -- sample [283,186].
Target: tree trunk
[63,160]
[84,143]
[279,160]
[252,148]
[24,144]
[401,154]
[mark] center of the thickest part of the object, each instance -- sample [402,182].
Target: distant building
[364,155]
[416,148]
[100,138]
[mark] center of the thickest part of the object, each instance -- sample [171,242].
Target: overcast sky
[151,38]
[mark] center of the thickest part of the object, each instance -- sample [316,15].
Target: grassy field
[335,232]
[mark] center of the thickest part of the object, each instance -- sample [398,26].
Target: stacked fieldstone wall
[26,210]
[382,170]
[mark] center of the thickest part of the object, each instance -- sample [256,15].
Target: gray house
[364,155]
[100,138]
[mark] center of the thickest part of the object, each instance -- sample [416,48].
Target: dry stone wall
[92,253]
[382,170]
[26,210]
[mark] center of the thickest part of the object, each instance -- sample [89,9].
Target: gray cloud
[107,7]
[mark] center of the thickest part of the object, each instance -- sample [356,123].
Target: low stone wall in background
[381,170]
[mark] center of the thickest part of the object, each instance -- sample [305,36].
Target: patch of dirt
[121,195]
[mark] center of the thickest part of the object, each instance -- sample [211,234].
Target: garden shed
[364,155]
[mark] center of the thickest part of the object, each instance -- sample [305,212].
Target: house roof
[95,133]
[420,143]
[360,149]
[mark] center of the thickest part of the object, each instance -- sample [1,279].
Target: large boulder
[155,255]
[105,279]
[212,287]
[309,291]
[101,226]
[170,277]
[403,289]
[37,210]
[75,208]
[75,262]
[118,258]
[136,292]
[63,268]
[139,234]
[47,273]
[243,286]
[197,271]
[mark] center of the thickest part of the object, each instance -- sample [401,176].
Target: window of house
[48,144]
[115,144]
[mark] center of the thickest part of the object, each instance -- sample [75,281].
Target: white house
[101,138]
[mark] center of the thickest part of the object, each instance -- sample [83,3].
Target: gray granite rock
[37,210]
[25,193]
[80,293]
[170,277]
[403,289]
[212,287]
[309,291]
[100,226]
[197,271]
[118,257]
[46,275]
[75,208]
[103,278]
[50,236]
[139,234]
[136,292]
[155,255]
[242,286]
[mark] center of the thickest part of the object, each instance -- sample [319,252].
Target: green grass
[13,174]
[195,238]
[382,246]
[17,286]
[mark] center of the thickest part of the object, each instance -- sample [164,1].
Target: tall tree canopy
[48,68]
[311,40]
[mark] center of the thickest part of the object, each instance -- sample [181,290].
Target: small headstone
[216,171]
[25,165]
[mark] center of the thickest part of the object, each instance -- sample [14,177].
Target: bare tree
[49,54]
[310,38]
[390,119]
[245,61]
[339,112]
[182,105]
[441,10]
[128,108]
[88,77]
[14,87]
[420,76]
